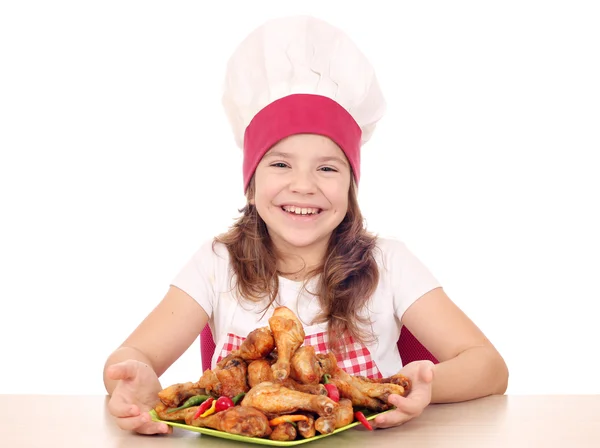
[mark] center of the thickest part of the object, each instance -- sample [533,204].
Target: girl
[302,100]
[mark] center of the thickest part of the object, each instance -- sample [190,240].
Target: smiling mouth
[302,211]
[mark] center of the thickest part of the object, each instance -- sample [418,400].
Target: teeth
[300,210]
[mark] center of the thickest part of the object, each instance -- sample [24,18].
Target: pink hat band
[300,114]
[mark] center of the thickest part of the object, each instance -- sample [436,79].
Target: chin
[301,241]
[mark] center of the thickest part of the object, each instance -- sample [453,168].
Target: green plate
[258,440]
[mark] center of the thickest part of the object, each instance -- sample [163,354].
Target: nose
[302,182]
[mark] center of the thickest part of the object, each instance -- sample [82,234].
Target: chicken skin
[358,398]
[398,379]
[284,432]
[307,428]
[243,421]
[289,335]
[343,415]
[260,371]
[274,399]
[176,394]
[259,344]
[305,367]
[369,388]
[230,380]
[161,412]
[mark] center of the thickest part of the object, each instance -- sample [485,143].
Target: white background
[117,162]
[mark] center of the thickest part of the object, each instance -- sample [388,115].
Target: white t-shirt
[208,278]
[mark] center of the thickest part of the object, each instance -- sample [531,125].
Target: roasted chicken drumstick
[229,380]
[369,388]
[398,379]
[289,335]
[274,399]
[305,366]
[176,394]
[244,421]
[358,398]
[260,371]
[257,345]
[284,432]
[343,415]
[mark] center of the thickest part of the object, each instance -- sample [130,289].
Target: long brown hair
[348,272]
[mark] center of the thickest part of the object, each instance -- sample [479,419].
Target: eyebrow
[285,155]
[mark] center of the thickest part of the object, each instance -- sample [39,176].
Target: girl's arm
[163,336]
[470,366]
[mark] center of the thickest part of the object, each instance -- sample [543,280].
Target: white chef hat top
[295,55]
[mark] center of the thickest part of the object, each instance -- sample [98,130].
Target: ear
[251,201]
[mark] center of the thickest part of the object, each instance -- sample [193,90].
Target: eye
[329,169]
[279,165]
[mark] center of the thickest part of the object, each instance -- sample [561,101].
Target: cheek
[342,207]
[339,199]
[264,195]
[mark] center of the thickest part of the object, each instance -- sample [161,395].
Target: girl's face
[301,191]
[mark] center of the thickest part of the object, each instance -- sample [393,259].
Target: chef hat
[300,75]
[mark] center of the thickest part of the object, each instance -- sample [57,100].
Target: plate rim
[257,440]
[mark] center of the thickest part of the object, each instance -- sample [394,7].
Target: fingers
[155,428]
[407,406]
[406,409]
[125,370]
[133,423]
[390,419]
[129,418]
[143,424]
[120,408]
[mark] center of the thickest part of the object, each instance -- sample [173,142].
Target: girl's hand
[407,408]
[135,395]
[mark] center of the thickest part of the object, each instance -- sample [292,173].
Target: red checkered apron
[356,361]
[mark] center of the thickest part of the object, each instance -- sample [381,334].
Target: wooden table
[500,421]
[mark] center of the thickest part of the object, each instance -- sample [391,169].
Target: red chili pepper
[361,418]
[209,411]
[332,390]
[224,403]
[203,407]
